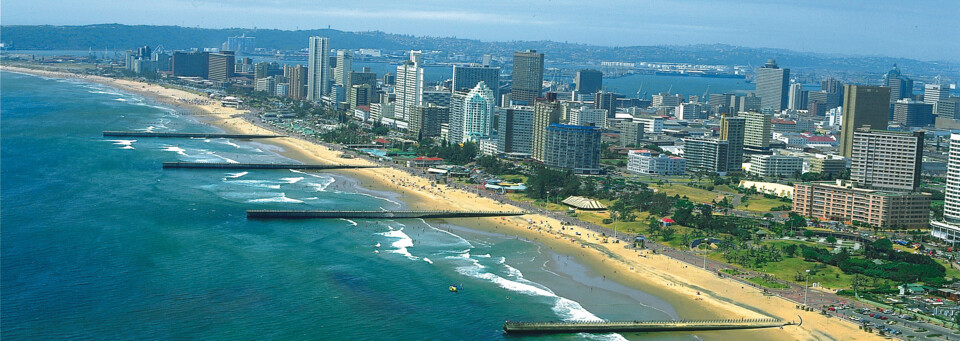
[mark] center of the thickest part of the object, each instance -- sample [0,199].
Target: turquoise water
[100,243]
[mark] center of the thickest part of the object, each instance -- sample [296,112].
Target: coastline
[695,293]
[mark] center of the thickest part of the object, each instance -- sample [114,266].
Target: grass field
[767,284]
[760,204]
[695,194]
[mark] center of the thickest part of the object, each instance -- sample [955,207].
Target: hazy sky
[922,29]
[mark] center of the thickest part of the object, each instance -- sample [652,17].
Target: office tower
[471,114]
[437,97]
[756,132]
[343,73]
[933,93]
[863,106]
[389,79]
[832,86]
[585,115]
[887,160]
[797,97]
[832,167]
[664,99]
[631,133]
[191,64]
[318,68]
[607,101]
[949,108]
[750,102]
[515,130]
[573,147]
[828,100]
[266,84]
[359,94]
[732,130]
[775,166]
[527,77]
[545,113]
[241,44]
[368,78]
[425,121]
[723,103]
[706,155]
[298,82]
[900,86]
[913,113]
[949,228]
[467,77]
[409,86]
[772,86]
[221,66]
[690,111]
[588,81]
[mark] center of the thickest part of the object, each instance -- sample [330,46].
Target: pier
[638,326]
[108,133]
[225,165]
[309,214]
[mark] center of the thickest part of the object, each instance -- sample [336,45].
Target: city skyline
[908,30]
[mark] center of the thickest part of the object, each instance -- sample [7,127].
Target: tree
[831,240]
[667,233]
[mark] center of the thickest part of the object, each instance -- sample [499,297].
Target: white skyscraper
[949,228]
[409,86]
[344,69]
[318,68]
[471,117]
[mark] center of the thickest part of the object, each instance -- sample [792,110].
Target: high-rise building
[949,108]
[900,86]
[887,160]
[933,93]
[706,155]
[241,44]
[690,111]
[832,86]
[732,130]
[437,97]
[298,82]
[750,102]
[913,113]
[343,73]
[368,78]
[221,66]
[573,147]
[949,228]
[409,86]
[828,166]
[756,132]
[588,81]
[359,94]
[773,84]
[585,115]
[545,112]
[527,77]
[775,166]
[664,99]
[318,68]
[798,97]
[467,77]
[827,100]
[606,101]
[471,114]
[631,133]
[841,202]
[515,130]
[425,121]
[864,106]
[643,162]
[191,64]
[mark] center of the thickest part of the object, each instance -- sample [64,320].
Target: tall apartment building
[409,86]
[368,78]
[298,82]
[343,73]
[842,202]
[913,113]
[318,68]
[643,162]
[466,78]
[190,64]
[573,147]
[606,101]
[948,229]
[864,106]
[887,160]
[425,121]
[706,155]
[631,133]
[588,81]
[798,98]
[732,130]
[527,76]
[545,112]
[515,130]
[585,115]
[358,95]
[756,132]
[471,114]
[773,84]
[221,66]
[775,166]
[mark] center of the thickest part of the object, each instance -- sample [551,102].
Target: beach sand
[694,292]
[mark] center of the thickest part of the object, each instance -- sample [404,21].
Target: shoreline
[659,275]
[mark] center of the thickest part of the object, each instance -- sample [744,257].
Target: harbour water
[100,242]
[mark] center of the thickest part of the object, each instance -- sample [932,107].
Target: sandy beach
[693,291]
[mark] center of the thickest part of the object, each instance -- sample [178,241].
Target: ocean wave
[349,221]
[176,149]
[401,244]
[255,183]
[282,198]
[459,238]
[291,180]
[127,144]
[236,175]
[230,143]
[425,259]
[121,99]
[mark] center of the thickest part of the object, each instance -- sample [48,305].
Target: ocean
[99,242]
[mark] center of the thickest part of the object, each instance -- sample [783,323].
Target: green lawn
[695,194]
[828,276]
[760,204]
[951,271]
[768,284]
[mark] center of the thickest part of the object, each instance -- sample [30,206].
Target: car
[873,314]
[882,317]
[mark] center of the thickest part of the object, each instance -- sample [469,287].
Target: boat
[454,288]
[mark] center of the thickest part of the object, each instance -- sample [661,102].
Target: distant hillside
[119,37]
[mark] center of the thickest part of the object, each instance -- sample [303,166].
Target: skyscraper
[318,68]
[900,87]
[409,86]
[756,132]
[191,64]
[797,97]
[772,86]
[933,93]
[606,101]
[425,121]
[241,44]
[221,66]
[298,82]
[545,112]
[515,129]
[588,81]
[343,73]
[471,117]
[466,78]
[573,147]
[706,155]
[527,76]
[949,228]
[732,130]
[863,106]
[887,160]
[912,113]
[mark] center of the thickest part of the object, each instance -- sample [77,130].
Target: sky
[919,29]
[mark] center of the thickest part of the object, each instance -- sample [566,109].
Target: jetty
[109,133]
[227,165]
[311,214]
[638,326]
